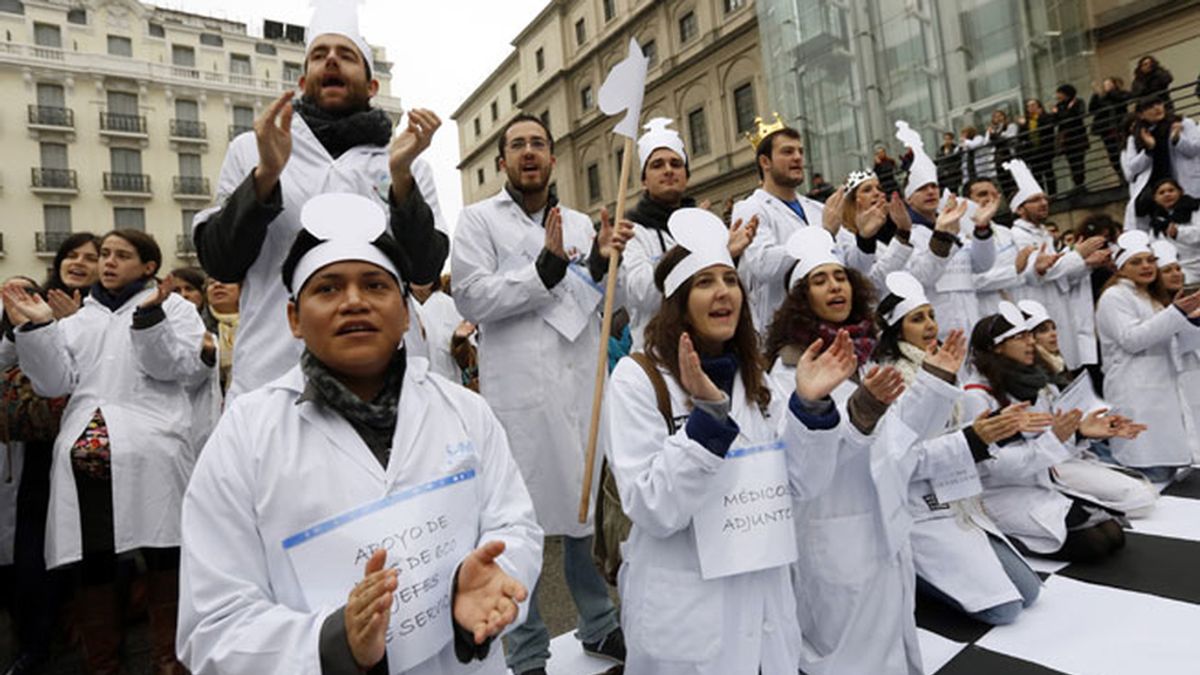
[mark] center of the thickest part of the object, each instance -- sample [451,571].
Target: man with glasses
[528,273]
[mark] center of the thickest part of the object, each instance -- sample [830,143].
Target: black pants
[38,591]
[1113,147]
[1075,155]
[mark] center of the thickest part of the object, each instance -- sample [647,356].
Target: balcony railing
[196,186]
[51,116]
[123,124]
[138,183]
[236,130]
[53,179]
[188,129]
[184,246]
[49,242]
[1,243]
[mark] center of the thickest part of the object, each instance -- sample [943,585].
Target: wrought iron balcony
[236,130]
[51,116]
[48,242]
[192,186]
[53,179]
[188,129]
[137,183]
[123,124]
[184,246]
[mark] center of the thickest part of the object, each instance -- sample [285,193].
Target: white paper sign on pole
[426,529]
[747,526]
[624,89]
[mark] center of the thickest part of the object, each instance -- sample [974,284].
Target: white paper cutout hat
[706,240]
[338,17]
[857,178]
[811,247]
[1016,320]
[910,291]
[1131,243]
[1035,313]
[1166,252]
[347,226]
[923,171]
[1027,185]
[659,136]
[624,90]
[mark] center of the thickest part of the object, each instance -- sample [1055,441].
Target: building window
[479,175]
[56,218]
[156,30]
[698,129]
[51,96]
[593,183]
[243,120]
[54,156]
[126,218]
[77,16]
[478,127]
[650,51]
[292,71]
[211,40]
[580,32]
[689,27]
[585,97]
[12,6]
[120,46]
[125,161]
[495,111]
[189,166]
[610,9]
[47,35]
[731,5]
[183,56]
[185,224]
[743,107]
[239,67]
[512,93]
[539,58]
[545,117]
[122,103]
[264,48]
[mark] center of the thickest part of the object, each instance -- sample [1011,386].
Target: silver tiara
[857,178]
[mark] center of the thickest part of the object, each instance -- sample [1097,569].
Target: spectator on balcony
[1151,79]
[329,139]
[885,171]
[1072,138]
[976,155]
[821,189]
[1002,136]
[949,163]
[76,268]
[1109,107]
[1036,145]
[1161,145]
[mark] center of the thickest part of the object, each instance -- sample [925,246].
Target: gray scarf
[375,421]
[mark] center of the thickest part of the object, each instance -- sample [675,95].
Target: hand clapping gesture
[831,214]
[898,212]
[416,137]
[994,428]
[367,611]
[948,219]
[273,134]
[819,373]
[612,239]
[23,306]
[487,597]
[692,377]
[870,220]
[161,293]
[948,356]
[1188,304]
[64,305]
[741,236]
[885,384]
[554,233]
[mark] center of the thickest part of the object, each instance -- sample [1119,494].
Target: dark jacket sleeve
[228,243]
[425,247]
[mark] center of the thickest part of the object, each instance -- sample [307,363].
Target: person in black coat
[1109,107]
[949,163]
[1150,78]
[1036,144]
[1072,137]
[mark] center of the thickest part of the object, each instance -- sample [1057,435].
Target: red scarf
[860,335]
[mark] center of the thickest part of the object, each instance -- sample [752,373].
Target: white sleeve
[1133,161]
[47,361]
[1116,318]
[983,254]
[169,351]
[636,276]
[765,261]
[924,264]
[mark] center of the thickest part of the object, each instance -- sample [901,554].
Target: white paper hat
[857,178]
[338,17]
[1131,243]
[1035,312]
[910,291]
[659,136]
[1027,185]
[346,224]
[1166,253]
[1015,318]
[811,247]
[706,240]
[923,171]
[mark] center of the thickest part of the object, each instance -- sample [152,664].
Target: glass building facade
[843,71]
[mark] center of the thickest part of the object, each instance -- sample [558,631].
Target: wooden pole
[610,290]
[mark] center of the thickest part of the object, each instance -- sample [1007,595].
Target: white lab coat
[440,318]
[1065,290]
[265,347]
[998,282]
[676,622]
[952,293]
[764,265]
[642,299]
[1185,165]
[274,467]
[1142,363]
[139,379]
[537,381]
[1187,243]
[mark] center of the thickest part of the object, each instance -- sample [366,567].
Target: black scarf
[113,300]
[1024,383]
[1180,214]
[340,131]
[654,214]
[375,421]
[721,370]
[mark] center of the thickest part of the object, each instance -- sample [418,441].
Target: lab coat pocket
[681,616]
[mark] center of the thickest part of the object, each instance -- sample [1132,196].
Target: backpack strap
[660,388]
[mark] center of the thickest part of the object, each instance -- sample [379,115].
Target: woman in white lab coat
[696,599]
[961,557]
[1020,493]
[1141,341]
[1169,284]
[123,456]
[353,422]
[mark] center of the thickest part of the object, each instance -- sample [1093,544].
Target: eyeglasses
[537,144]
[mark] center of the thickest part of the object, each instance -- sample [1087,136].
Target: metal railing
[49,242]
[184,246]
[236,130]
[51,116]
[61,179]
[127,182]
[121,123]
[188,129]
[190,185]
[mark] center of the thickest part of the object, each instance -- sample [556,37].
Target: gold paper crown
[761,130]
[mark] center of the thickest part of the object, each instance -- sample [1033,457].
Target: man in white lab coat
[527,272]
[329,140]
[306,547]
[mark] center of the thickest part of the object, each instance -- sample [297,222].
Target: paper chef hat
[1035,313]
[1014,318]
[1027,185]
[659,136]
[347,226]
[1130,244]
[923,171]
[811,247]
[1166,253]
[338,17]
[912,295]
[857,178]
[706,240]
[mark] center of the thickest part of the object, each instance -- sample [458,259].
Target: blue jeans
[529,643]
[1026,580]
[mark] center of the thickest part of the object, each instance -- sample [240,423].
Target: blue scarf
[114,300]
[721,370]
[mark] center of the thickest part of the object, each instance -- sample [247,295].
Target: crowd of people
[827,409]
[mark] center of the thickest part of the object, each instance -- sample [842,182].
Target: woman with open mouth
[75,269]
[706,451]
